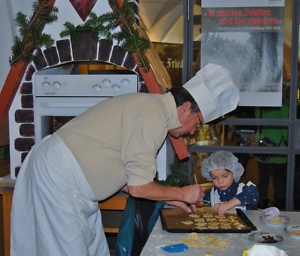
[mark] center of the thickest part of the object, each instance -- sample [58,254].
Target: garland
[105,25]
[31,37]
[133,42]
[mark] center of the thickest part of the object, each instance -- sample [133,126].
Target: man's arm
[177,196]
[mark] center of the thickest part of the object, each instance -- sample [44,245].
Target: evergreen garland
[105,25]
[31,37]
[179,175]
[133,42]
[93,25]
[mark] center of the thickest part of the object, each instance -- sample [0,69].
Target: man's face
[190,121]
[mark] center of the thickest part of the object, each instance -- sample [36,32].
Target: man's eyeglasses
[198,126]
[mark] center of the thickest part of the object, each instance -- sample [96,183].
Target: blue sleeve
[249,196]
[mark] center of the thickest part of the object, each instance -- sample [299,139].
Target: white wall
[8,31]
[6,39]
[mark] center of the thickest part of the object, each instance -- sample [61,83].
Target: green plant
[94,25]
[129,37]
[179,175]
[31,36]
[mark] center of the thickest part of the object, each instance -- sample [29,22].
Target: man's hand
[184,197]
[193,193]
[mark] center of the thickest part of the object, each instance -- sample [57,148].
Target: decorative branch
[132,41]
[31,37]
[106,25]
[93,25]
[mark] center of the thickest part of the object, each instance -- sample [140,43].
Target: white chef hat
[213,90]
[222,159]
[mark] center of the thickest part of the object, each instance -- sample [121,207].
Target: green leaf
[31,37]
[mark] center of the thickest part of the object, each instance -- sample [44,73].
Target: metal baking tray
[172,221]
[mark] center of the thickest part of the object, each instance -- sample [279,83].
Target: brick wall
[84,48]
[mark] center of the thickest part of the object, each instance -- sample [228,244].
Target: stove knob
[115,88]
[46,85]
[125,82]
[96,88]
[106,82]
[56,85]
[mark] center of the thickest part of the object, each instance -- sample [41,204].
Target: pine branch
[31,36]
[93,25]
[134,43]
[106,25]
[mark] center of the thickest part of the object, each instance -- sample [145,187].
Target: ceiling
[164,20]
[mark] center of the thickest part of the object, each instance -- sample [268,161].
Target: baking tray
[172,221]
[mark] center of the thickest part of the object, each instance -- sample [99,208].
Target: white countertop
[238,241]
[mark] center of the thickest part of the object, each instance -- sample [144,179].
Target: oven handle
[67,105]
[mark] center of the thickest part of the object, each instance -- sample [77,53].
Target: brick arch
[84,48]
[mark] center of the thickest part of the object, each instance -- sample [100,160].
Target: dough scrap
[210,241]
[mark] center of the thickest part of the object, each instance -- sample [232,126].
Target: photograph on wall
[171,56]
[246,37]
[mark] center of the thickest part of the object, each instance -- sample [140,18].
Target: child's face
[221,178]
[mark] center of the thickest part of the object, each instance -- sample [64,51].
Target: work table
[238,241]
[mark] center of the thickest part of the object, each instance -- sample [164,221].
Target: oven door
[51,110]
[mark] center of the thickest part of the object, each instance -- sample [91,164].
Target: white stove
[64,81]
[62,92]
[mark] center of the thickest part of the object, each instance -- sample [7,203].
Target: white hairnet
[222,159]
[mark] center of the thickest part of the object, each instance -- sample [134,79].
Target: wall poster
[246,37]
[171,57]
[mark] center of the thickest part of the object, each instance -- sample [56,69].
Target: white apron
[53,210]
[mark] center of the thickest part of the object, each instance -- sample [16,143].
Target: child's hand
[223,207]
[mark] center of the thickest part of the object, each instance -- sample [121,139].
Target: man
[111,146]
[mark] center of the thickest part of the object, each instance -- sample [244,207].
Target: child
[224,170]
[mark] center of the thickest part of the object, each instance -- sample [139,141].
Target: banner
[246,37]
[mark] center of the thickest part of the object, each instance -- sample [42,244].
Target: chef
[111,146]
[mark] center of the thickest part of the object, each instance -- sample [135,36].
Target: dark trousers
[278,172]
